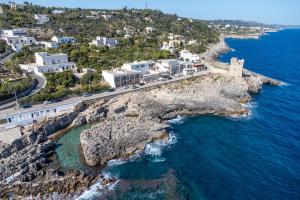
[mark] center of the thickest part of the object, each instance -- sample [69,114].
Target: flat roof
[122,72]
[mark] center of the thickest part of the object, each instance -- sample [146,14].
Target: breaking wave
[97,190]
[154,150]
[177,120]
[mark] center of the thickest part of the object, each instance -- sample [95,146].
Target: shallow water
[68,149]
[255,157]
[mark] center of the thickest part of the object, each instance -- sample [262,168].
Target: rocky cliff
[135,119]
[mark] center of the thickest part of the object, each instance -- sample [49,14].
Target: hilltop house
[104,41]
[167,47]
[17,38]
[63,40]
[149,30]
[41,18]
[50,45]
[45,63]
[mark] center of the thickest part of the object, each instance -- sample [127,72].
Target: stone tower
[236,67]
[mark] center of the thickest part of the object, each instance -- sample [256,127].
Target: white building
[143,66]
[41,18]
[117,78]
[50,45]
[167,47]
[104,41]
[14,32]
[236,67]
[17,38]
[26,117]
[107,17]
[168,67]
[1,10]
[63,40]
[149,30]
[46,63]
[188,56]
[56,12]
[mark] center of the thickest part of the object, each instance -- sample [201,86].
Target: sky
[286,12]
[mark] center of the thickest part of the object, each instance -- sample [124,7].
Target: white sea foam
[97,189]
[177,120]
[283,84]
[122,161]
[155,149]
[251,107]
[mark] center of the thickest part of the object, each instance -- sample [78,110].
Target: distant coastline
[251,35]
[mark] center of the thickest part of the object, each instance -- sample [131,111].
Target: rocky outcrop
[135,119]
[24,159]
[25,164]
[55,186]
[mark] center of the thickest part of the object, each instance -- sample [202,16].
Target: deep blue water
[248,158]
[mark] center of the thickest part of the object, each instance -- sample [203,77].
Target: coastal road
[75,100]
[41,84]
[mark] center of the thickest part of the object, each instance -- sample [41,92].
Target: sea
[210,157]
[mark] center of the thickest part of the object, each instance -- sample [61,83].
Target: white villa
[107,17]
[190,57]
[17,38]
[167,47]
[168,67]
[117,78]
[49,63]
[142,66]
[41,18]
[63,40]
[131,74]
[104,41]
[50,45]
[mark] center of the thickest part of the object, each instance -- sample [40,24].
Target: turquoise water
[68,149]
[248,158]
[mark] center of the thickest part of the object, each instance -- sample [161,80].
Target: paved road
[41,84]
[118,91]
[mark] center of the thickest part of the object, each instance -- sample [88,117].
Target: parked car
[141,84]
[135,87]
[111,90]
[27,106]
[126,87]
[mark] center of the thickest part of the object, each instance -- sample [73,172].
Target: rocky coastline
[124,125]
